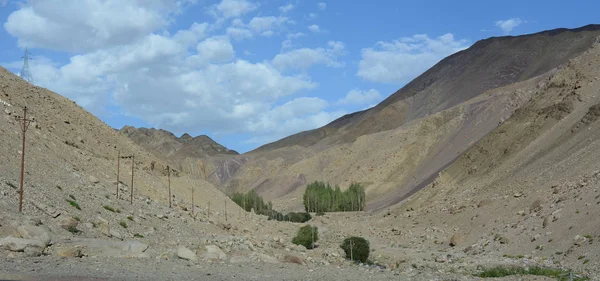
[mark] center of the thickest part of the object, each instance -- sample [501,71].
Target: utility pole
[225,209]
[24,127]
[118,167]
[132,165]
[192,200]
[169,177]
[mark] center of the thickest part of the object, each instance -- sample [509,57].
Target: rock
[518,194]
[186,254]
[46,209]
[107,248]
[536,206]
[33,251]
[114,233]
[224,226]
[68,223]
[93,179]
[474,249]
[70,253]
[105,230]
[293,259]
[545,222]
[579,240]
[20,244]
[88,225]
[267,259]
[213,253]
[455,239]
[35,233]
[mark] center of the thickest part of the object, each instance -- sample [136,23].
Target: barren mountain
[183,153]
[399,146]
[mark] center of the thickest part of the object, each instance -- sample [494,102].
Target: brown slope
[488,64]
[397,162]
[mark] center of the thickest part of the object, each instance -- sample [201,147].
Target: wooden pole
[118,167]
[24,130]
[192,200]
[209,209]
[225,209]
[169,178]
[132,166]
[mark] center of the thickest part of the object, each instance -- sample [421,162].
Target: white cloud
[508,25]
[314,28]
[301,59]
[289,41]
[402,60]
[322,6]
[216,49]
[233,8]
[88,24]
[358,97]
[286,8]
[186,80]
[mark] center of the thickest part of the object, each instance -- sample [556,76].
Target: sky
[249,72]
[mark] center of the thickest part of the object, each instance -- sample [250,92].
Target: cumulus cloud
[88,24]
[183,81]
[233,8]
[508,25]
[404,59]
[302,59]
[286,8]
[358,97]
[322,6]
[289,41]
[314,28]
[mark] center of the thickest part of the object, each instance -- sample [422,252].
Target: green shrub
[137,235]
[77,218]
[130,218]
[306,236]
[11,184]
[109,208]
[356,248]
[319,213]
[74,204]
[73,229]
[297,217]
[123,224]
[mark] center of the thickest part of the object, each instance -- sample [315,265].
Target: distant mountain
[182,152]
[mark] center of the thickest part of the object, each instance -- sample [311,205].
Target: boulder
[68,223]
[213,253]
[69,253]
[455,239]
[186,254]
[293,259]
[20,244]
[36,233]
[94,180]
[239,259]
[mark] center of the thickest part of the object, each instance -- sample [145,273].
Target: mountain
[186,153]
[399,146]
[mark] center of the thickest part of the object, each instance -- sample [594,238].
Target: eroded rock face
[36,233]
[20,244]
[213,253]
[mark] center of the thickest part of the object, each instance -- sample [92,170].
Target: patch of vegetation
[319,213]
[502,271]
[123,224]
[111,209]
[586,261]
[252,201]
[322,197]
[74,204]
[77,218]
[306,236]
[356,249]
[137,235]
[11,184]
[130,218]
[73,229]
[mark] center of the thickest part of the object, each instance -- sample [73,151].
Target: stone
[186,254]
[474,249]
[68,223]
[293,259]
[455,239]
[88,225]
[20,244]
[518,194]
[33,251]
[35,233]
[267,259]
[114,233]
[213,252]
[46,209]
[70,253]
[93,179]
[579,240]
[105,229]
[107,248]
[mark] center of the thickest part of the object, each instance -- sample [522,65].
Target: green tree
[356,248]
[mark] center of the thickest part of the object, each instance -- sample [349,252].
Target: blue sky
[249,72]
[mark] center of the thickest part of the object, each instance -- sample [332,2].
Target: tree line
[322,197]
[252,201]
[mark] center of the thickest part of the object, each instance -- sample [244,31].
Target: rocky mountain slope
[184,153]
[400,145]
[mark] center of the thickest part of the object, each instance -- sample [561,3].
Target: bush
[318,214]
[297,217]
[123,224]
[305,236]
[74,204]
[502,271]
[356,248]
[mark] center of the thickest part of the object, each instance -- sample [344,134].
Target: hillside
[399,146]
